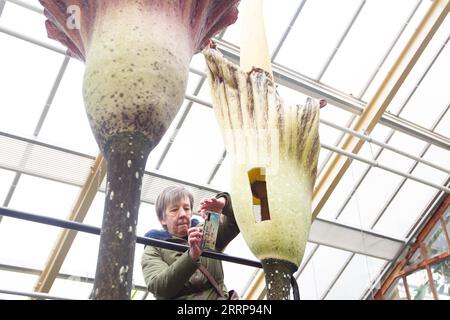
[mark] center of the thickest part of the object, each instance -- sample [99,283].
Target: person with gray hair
[187,276]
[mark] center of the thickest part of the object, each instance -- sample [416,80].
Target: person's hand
[211,204]
[195,241]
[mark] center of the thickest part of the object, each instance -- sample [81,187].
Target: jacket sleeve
[229,229]
[163,280]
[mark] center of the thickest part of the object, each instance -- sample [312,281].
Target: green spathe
[261,131]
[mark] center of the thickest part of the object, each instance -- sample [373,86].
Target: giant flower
[137,55]
[274,149]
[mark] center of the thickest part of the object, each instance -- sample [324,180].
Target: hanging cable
[361,225]
[314,277]
[295,290]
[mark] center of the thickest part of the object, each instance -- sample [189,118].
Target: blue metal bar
[142,240]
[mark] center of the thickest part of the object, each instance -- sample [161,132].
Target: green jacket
[174,275]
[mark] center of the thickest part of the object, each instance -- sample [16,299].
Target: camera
[210,230]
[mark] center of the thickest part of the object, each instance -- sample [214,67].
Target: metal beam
[356,240]
[51,95]
[415,130]
[141,240]
[28,6]
[366,171]
[378,104]
[323,231]
[34,140]
[310,87]
[350,156]
[66,237]
[84,156]
[337,276]
[384,145]
[21,36]
[365,137]
[293,80]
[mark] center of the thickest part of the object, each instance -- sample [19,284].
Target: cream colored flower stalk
[137,54]
[274,150]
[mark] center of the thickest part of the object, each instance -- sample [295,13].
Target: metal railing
[141,240]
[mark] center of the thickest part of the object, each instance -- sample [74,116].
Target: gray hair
[171,195]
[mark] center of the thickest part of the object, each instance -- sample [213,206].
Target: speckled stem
[126,156]
[278,278]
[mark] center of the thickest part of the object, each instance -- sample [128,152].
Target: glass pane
[137,294]
[418,284]
[322,42]
[444,126]
[156,153]
[366,44]
[447,220]
[436,242]
[432,92]
[6,178]
[34,26]
[335,115]
[404,210]
[292,97]
[370,198]
[272,11]
[416,258]
[325,265]
[221,180]
[403,143]
[237,276]
[415,73]
[357,278]
[438,156]
[198,143]
[397,291]
[66,124]
[71,288]
[441,278]
[25,83]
